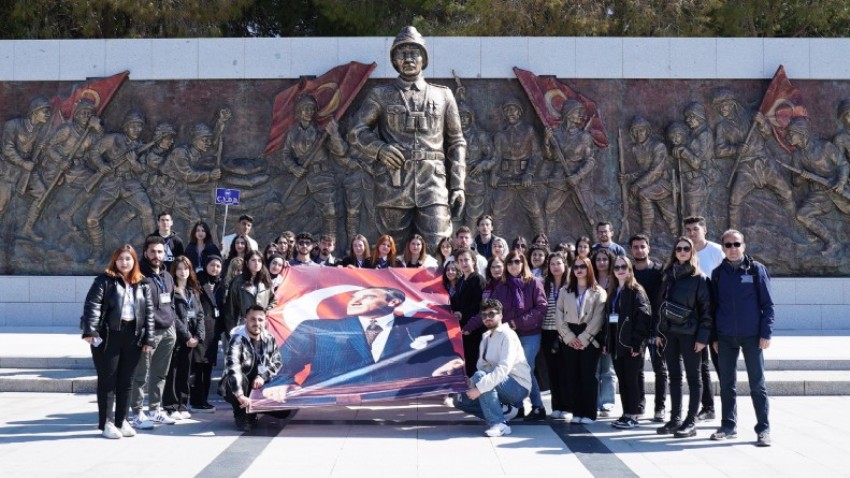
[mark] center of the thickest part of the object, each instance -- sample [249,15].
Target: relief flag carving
[782,102]
[98,92]
[334,91]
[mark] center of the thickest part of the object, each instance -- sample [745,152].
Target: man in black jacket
[172,243]
[153,365]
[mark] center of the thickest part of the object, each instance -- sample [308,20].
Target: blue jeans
[489,405]
[607,380]
[729,349]
[531,346]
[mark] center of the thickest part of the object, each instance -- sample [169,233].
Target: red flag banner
[334,91]
[100,92]
[547,95]
[322,326]
[782,102]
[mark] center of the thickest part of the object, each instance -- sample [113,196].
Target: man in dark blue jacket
[743,319]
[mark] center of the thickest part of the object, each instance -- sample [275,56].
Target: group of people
[575,320]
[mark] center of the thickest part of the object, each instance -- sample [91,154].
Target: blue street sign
[227,197]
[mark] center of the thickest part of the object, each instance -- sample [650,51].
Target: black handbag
[674,313]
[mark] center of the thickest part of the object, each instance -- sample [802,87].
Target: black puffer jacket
[106,297]
[681,286]
[632,328]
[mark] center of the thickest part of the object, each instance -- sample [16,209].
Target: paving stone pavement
[53,434]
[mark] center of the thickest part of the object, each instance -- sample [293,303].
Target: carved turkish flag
[334,91]
[98,92]
[782,102]
[547,95]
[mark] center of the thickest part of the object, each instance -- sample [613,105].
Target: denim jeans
[489,405]
[531,346]
[607,381]
[729,349]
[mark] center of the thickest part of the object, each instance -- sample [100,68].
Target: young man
[604,233]
[743,319]
[246,223]
[484,239]
[648,274]
[503,375]
[171,241]
[463,239]
[327,243]
[303,246]
[251,360]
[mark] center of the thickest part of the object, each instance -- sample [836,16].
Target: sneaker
[449,401]
[184,414]
[722,434]
[687,430]
[669,427]
[536,415]
[566,416]
[659,415]
[497,430]
[556,415]
[603,413]
[706,414]
[586,421]
[127,430]
[576,420]
[161,418]
[625,423]
[520,411]
[175,416]
[141,422]
[763,439]
[619,422]
[205,408]
[243,424]
[111,431]
[510,412]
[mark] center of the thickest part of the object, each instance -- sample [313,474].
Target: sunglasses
[305,243]
[489,315]
[730,245]
[515,262]
[621,268]
[683,248]
[580,267]
[520,246]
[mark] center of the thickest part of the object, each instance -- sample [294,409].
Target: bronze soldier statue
[756,166]
[517,154]
[652,184]
[116,157]
[412,130]
[307,153]
[180,165]
[479,161]
[23,141]
[355,182]
[695,158]
[571,146]
[842,138]
[823,159]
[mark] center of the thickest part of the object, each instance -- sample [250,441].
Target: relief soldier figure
[116,157]
[355,182]
[695,159]
[181,166]
[842,138]
[479,161]
[652,184]
[517,154]
[573,149]
[307,153]
[756,167]
[820,159]
[412,130]
[23,142]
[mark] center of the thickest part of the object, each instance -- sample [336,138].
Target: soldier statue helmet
[571,106]
[164,130]
[639,122]
[695,108]
[513,101]
[39,103]
[201,130]
[133,117]
[410,36]
[677,132]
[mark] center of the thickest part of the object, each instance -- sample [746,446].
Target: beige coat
[592,313]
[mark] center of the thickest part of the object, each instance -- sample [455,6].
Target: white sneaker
[127,429]
[175,415]
[497,430]
[161,418]
[556,415]
[575,420]
[449,401]
[142,422]
[510,412]
[185,415]
[566,416]
[111,431]
[586,421]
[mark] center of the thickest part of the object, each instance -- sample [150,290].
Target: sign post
[227,197]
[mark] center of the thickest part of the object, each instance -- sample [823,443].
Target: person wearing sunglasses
[304,244]
[603,260]
[684,328]
[580,318]
[744,318]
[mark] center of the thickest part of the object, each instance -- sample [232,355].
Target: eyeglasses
[580,267]
[520,246]
[305,243]
[730,245]
[515,262]
[622,267]
[489,315]
[683,248]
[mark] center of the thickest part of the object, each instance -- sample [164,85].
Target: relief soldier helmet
[133,117]
[305,100]
[463,108]
[799,125]
[84,104]
[410,36]
[696,108]
[843,108]
[720,95]
[677,127]
[164,130]
[572,105]
[513,100]
[639,122]
[200,130]
[38,103]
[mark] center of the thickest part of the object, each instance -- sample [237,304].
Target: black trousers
[200,392]
[705,376]
[115,361]
[628,370]
[682,346]
[471,348]
[175,396]
[582,384]
[552,351]
[246,381]
[659,368]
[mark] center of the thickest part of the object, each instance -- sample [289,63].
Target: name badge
[746,279]
[613,318]
[191,314]
[215,312]
[164,298]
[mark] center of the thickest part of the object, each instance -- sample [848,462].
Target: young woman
[384,254]
[580,317]
[269,250]
[444,251]
[358,255]
[583,246]
[500,247]
[602,259]
[118,324]
[537,260]
[684,326]
[253,286]
[200,245]
[283,247]
[550,342]
[190,329]
[212,298]
[233,268]
[239,248]
[466,303]
[415,254]
[629,316]
[520,244]
[276,263]
[541,240]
